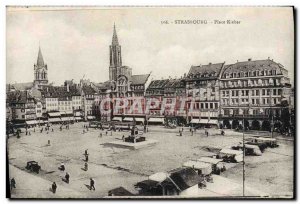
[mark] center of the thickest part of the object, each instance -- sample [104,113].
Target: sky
[75,41]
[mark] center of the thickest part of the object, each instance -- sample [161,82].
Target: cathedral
[124,83]
[40,71]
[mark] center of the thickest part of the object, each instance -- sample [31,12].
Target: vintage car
[33,166]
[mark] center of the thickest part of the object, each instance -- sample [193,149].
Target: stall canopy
[198,165]
[209,160]
[90,117]
[78,118]
[156,120]
[117,119]
[56,114]
[128,119]
[159,177]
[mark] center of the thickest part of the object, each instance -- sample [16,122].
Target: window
[216,105]
[211,105]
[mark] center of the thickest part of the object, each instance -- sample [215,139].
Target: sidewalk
[31,186]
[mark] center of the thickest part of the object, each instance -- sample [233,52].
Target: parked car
[33,166]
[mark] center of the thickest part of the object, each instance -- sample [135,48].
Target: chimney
[268,58]
[209,63]
[249,59]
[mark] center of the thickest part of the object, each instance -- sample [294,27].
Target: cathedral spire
[40,60]
[115,37]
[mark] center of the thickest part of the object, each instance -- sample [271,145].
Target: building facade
[251,93]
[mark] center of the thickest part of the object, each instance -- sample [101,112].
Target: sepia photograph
[150,102]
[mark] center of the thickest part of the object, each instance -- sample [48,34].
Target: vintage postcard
[150,102]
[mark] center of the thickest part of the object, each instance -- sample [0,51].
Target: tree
[255,125]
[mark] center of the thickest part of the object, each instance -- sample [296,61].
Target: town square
[107,109]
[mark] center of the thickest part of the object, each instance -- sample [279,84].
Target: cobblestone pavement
[113,167]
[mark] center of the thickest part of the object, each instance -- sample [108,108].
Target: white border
[4,3]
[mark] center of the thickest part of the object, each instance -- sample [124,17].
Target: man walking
[67,177]
[92,184]
[54,187]
[12,183]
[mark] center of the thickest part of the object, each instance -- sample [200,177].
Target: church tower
[40,71]
[115,57]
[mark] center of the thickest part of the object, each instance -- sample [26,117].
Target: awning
[204,121]
[69,112]
[78,118]
[40,122]
[54,120]
[156,120]
[117,119]
[140,120]
[195,121]
[128,119]
[31,122]
[90,117]
[66,119]
[215,122]
[77,113]
[56,114]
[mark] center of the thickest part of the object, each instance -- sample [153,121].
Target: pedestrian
[62,167]
[86,157]
[33,129]
[180,133]
[29,133]
[106,133]
[48,142]
[86,166]
[12,183]
[26,132]
[123,138]
[110,133]
[52,130]
[101,134]
[67,177]
[92,184]
[54,187]
[86,152]
[192,131]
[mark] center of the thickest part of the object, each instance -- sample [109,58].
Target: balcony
[246,116]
